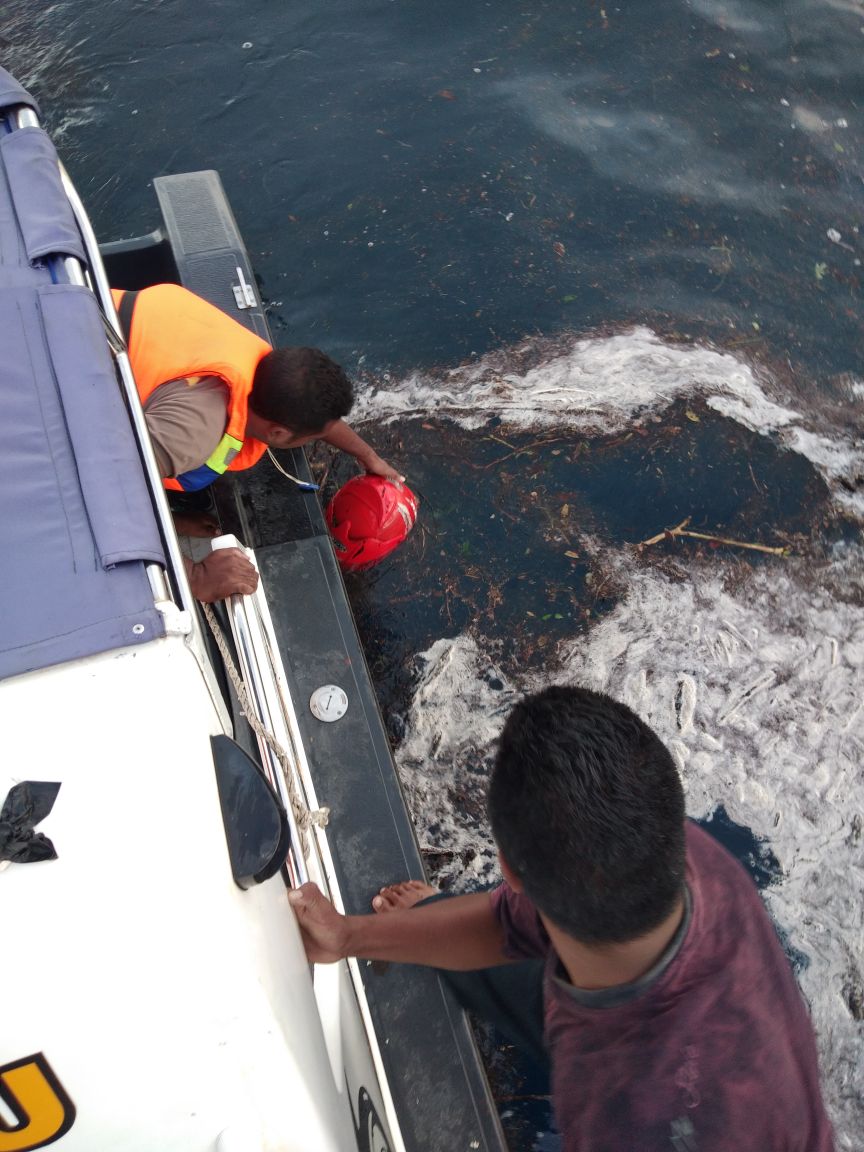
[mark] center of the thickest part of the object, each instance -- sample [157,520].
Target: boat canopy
[77,518]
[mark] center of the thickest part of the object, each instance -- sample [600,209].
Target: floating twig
[682,530]
[664,535]
[519,451]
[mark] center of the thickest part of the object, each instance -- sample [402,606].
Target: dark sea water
[485,210]
[418,184]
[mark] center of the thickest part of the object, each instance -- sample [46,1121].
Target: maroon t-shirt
[711,1051]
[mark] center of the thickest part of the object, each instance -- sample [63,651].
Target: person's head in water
[587,808]
[298,391]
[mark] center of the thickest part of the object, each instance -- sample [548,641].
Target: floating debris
[682,530]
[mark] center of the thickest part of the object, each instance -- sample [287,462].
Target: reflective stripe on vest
[220,461]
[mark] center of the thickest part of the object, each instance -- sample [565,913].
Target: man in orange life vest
[216,396]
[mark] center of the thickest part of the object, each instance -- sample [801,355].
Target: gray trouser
[509,997]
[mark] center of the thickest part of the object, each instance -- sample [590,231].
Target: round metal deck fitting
[328,703]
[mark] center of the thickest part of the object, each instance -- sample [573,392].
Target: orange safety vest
[172,333]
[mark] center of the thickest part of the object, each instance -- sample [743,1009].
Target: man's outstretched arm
[343,437]
[459,933]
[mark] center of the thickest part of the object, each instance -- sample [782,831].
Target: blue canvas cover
[43,213]
[77,518]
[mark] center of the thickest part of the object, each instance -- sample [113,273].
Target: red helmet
[369,517]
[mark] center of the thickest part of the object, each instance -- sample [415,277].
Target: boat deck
[433,1067]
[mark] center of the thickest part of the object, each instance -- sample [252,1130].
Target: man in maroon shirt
[671,1018]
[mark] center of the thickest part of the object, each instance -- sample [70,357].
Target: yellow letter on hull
[35,1097]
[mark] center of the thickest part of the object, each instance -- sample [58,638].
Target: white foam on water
[755,684]
[655,149]
[810,120]
[852,7]
[753,677]
[746,19]
[601,384]
[455,717]
[596,384]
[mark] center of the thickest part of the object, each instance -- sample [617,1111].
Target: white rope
[303,815]
[304,484]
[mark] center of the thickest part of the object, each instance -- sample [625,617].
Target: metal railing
[268,690]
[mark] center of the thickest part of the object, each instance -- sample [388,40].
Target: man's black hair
[301,389]
[587,808]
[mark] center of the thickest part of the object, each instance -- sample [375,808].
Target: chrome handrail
[245,622]
[267,686]
[102,291]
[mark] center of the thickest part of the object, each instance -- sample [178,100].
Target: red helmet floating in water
[369,517]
